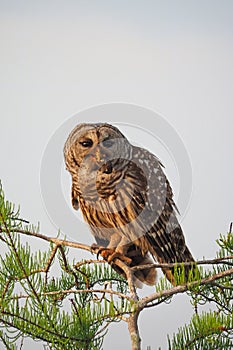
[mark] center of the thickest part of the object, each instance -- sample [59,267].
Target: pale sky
[63,61]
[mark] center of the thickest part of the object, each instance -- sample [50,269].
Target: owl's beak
[97,156]
[95,161]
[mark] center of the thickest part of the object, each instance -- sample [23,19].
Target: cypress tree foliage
[213,329]
[64,310]
[69,304]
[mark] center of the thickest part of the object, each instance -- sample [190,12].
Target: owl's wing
[151,188]
[74,198]
[163,234]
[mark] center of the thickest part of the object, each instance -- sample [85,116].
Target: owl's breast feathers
[116,203]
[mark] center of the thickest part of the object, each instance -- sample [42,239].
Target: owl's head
[95,145]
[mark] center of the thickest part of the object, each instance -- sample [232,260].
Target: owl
[126,199]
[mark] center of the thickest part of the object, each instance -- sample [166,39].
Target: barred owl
[125,198]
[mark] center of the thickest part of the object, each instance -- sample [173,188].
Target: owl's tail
[184,271]
[169,247]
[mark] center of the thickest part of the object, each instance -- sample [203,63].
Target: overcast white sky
[174,58]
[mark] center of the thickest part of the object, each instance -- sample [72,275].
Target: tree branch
[134,331]
[91,249]
[183,288]
[56,241]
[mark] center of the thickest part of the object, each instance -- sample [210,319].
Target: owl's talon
[117,255]
[97,249]
[109,254]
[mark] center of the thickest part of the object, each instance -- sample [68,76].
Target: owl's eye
[108,143]
[86,143]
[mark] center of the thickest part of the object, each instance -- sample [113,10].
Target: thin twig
[49,262]
[89,261]
[66,266]
[75,291]
[186,263]
[230,230]
[129,276]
